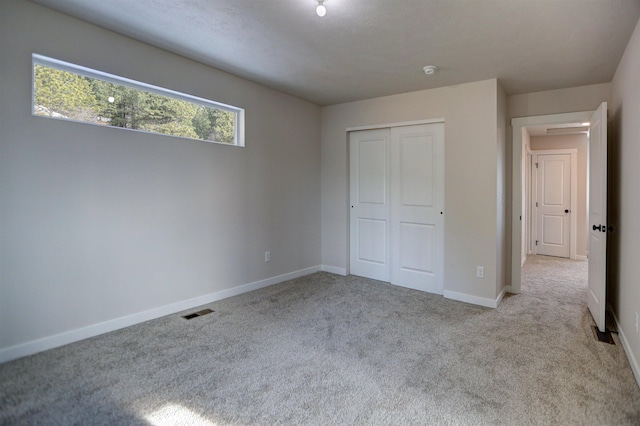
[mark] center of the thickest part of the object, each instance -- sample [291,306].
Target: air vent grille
[602,337]
[197,314]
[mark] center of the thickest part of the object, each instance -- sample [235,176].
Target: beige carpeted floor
[326,349]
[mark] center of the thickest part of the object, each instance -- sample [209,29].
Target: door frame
[518,182]
[573,223]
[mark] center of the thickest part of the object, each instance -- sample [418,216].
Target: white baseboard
[50,342]
[509,289]
[474,300]
[334,270]
[581,257]
[501,296]
[635,367]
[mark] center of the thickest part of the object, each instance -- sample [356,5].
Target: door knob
[597,228]
[566,211]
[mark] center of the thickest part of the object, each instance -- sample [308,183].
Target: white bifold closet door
[397,205]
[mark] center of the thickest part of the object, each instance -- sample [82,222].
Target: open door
[598,216]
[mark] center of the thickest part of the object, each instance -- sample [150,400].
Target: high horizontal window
[70,92]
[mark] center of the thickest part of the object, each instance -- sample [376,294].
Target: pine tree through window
[70,92]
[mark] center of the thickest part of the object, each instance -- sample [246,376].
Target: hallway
[556,278]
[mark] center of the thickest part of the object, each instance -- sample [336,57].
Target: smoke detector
[430,69]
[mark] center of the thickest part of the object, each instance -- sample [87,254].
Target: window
[70,92]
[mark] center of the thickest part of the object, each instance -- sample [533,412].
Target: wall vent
[602,337]
[197,314]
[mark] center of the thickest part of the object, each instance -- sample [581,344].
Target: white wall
[579,142]
[573,99]
[624,198]
[471,143]
[99,223]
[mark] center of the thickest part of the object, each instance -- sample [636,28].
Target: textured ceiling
[369,48]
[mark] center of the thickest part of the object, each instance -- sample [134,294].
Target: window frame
[38,59]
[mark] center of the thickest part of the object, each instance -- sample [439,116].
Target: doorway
[596,194]
[522,187]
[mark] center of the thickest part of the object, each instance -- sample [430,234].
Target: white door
[553,204]
[417,191]
[397,205]
[369,202]
[598,216]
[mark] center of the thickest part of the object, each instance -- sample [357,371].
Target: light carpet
[325,349]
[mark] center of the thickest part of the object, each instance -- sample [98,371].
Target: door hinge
[536,204]
[536,165]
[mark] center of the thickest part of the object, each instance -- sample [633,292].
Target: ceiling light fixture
[430,69]
[321,10]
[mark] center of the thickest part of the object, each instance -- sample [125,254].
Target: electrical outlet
[267,256]
[480,271]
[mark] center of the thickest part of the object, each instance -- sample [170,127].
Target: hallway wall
[624,198]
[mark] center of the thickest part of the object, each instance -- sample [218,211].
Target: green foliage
[112,104]
[169,116]
[223,123]
[62,92]
[214,124]
[201,123]
[120,106]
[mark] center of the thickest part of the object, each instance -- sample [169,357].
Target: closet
[397,205]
